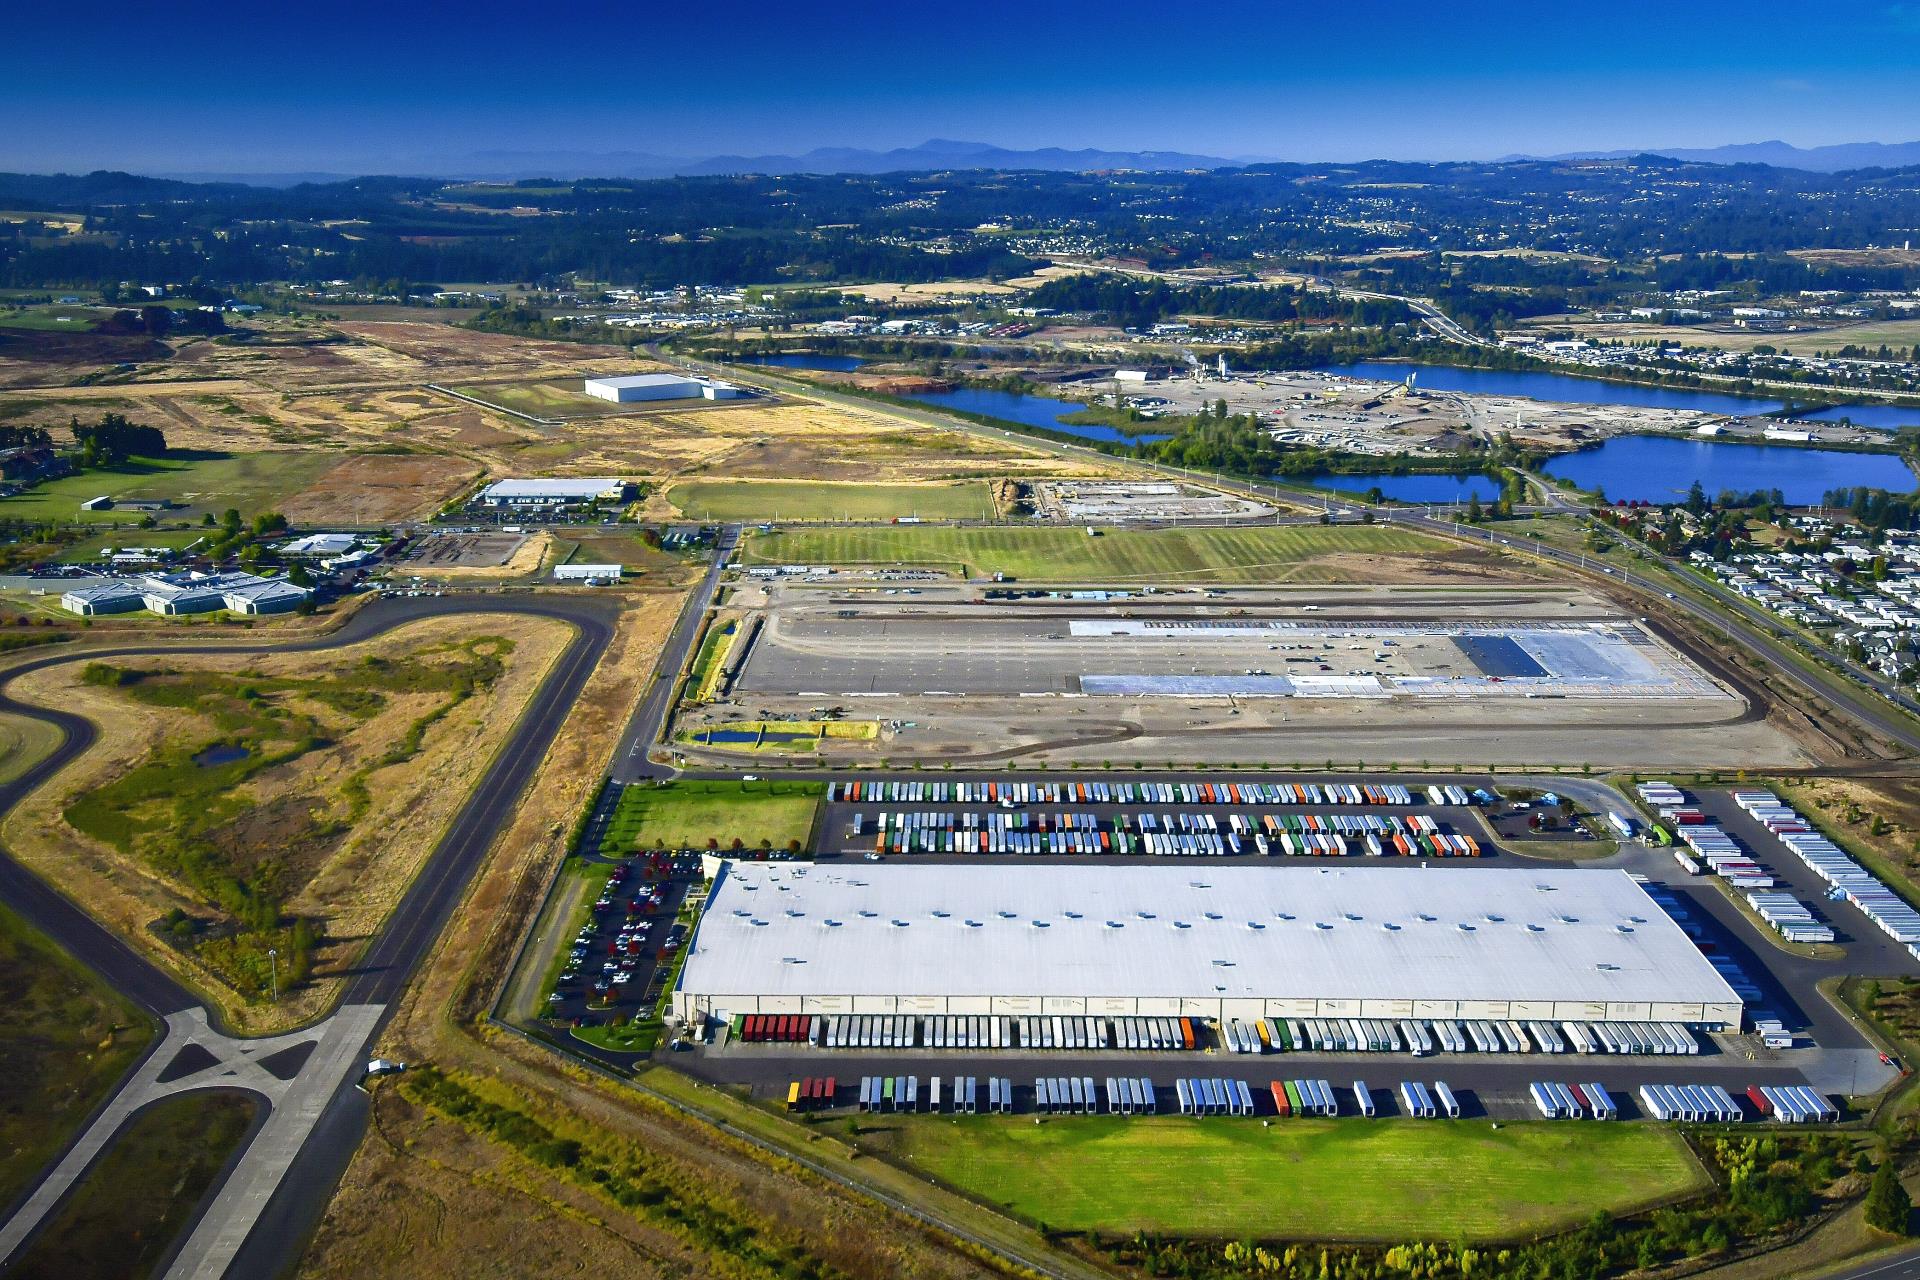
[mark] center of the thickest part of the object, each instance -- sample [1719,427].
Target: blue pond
[1660,469]
[1559,387]
[220,753]
[1414,488]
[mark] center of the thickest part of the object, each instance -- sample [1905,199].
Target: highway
[250,1229]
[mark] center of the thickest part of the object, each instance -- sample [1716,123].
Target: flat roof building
[1215,941]
[563,492]
[178,593]
[661,386]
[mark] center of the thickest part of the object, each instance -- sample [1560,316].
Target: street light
[273,969]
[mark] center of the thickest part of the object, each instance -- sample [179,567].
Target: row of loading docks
[1253,1035]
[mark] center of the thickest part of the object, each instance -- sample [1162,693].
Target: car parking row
[617,958]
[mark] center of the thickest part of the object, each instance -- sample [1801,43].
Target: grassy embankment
[1286,553]
[700,814]
[143,1192]
[758,500]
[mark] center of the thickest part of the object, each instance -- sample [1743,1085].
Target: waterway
[1416,488]
[1559,387]
[1880,417]
[1027,410]
[1661,468]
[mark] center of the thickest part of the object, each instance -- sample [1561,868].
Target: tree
[1697,498]
[1888,1206]
[1474,514]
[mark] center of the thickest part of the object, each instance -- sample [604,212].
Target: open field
[65,1038]
[693,814]
[125,1214]
[759,500]
[1299,1179]
[197,484]
[554,398]
[1289,553]
[244,803]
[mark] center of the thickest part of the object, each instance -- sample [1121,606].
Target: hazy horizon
[385,90]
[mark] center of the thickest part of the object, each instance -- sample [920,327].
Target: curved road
[266,1233]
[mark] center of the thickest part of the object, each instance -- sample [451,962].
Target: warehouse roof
[645,380]
[1415,932]
[589,487]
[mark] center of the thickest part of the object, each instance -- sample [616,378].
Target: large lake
[1884,417]
[1661,468]
[1559,387]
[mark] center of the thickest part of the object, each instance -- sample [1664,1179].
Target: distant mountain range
[1781,155]
[930,156]
[942,153]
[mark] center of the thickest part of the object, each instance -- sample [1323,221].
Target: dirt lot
[438,551]
[356,877]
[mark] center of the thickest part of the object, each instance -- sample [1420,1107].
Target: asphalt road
[384,969]
[630,762]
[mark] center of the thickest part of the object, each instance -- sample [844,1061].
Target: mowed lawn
[1283,553]
[1311,1179]
[198,482]
[758,500]
[690,813]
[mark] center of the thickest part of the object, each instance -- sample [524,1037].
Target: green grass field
[1306,1179]
[53,319]
[1286,553]
[755,500]
[689,813]
[250,482]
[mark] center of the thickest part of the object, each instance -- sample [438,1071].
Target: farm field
[756,500]
[689,813]
[200,483]
[1311,1179]
[1287,553]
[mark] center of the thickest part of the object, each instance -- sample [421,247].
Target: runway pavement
[258,1220]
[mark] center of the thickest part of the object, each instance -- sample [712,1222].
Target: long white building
[660,386]
[1210,941]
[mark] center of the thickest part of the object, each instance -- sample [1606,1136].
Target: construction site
[1253,675]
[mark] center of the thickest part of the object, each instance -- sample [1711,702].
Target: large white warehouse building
[661,386]
[1216,941]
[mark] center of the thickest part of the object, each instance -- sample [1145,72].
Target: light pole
[273,970]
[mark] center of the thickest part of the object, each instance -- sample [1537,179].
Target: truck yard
[1492,1057]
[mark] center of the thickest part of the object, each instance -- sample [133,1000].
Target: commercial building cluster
[186,592]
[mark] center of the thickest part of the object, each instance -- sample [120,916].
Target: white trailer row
[961,1096]
[1789,917]
[1849,881]
[1558,1101]
[1793,1104]
[1420,1103]
[1013,791]
[1690,1102]
[1214,1096]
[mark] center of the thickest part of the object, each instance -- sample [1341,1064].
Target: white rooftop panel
[556,488]
[1216,932]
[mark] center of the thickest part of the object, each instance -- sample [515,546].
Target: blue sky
[358,87]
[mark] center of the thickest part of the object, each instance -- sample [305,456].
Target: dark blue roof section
[1498,656]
